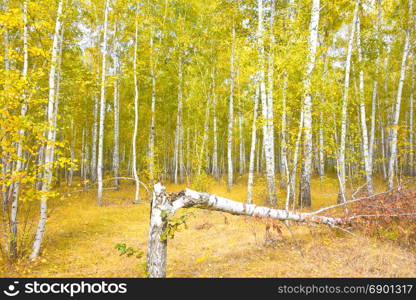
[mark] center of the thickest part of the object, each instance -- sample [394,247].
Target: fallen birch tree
[163,205]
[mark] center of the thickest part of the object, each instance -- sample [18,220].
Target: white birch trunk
[204,137]
[94,142]
[366,154]
[270,109]
[373,123]
[19,162]
[396,116]
[305,184]
[152,117]
[252,148]
[321,128]
[136,111]
[163,205]
[344,114]
[283,144]
[231,115]
[291,185]
[116,153]
[267,133]
[102,111]
[179,130]
[50,146]
[411,125]
[215,170]
[157,247]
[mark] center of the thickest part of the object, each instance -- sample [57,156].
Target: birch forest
[260,138]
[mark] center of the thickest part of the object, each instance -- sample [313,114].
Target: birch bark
[267,133]
[365,147]
[231,115]
[136,110]
[396,115]
[252,148]
[116,153]
[50,146]
[305,184]
[102,111]
[344,115]
[19,162]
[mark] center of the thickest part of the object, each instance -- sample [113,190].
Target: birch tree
[267,132]
[19,162]
[366,152]
[231,113]
[100,159]
[136,109]
[50,146]
[305,185]
[396,115]
[116,153]
[343,135]
[252,147]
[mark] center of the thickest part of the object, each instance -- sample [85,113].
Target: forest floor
[80,241]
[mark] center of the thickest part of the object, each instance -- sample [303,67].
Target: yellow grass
[80,240]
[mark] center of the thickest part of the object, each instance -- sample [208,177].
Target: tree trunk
[411,125]
[178,168]
[231,116]
[283,143]
[253,147]
[136,111]
[215,170]
[152,117]
[163,206]
[116,153]
[19,161]
[396,116]
[93,172]
[305,184]
[157,245]
[267,133]
[50,146]
[344,114]
[102,112]
[366,152]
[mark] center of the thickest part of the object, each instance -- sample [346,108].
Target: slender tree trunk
[116,153]
[411,125]
[102,112]
[19,162]
[373,123]
[396,116]
[267,133]
[152,117]
[321,128]
[283,144]
[136,110]
[270,109]
[204,137]
[305,184]
[253,147]
[291,185]
[344,114]
[94,142]
[241,139]
[231,115]
[50,146]
[179,129]
[215,170]
[366,152]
